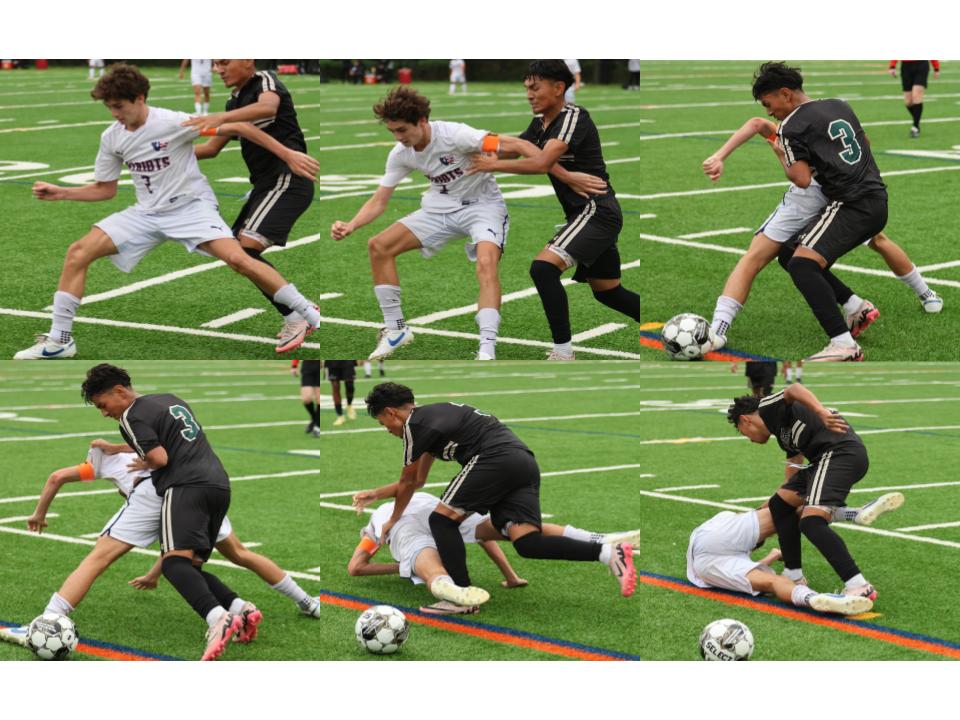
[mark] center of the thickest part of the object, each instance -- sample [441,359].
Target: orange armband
[86,471]
[209,132]
[368,546]
[772,137]
[491,144]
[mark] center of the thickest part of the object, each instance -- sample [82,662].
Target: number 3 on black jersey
[191,429]
[842,130]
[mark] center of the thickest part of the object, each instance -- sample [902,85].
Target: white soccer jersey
[159,156]
[573,66]
[114,469]
[444,163]
[201,72]
[457,68]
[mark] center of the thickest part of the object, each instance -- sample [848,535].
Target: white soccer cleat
[310,607]
[630,536]
[448,608]
[485,356]
[341,420]
[862,318]
[293,333]
[351,413]
[931,302]
[841,604]
[554,355]
[838,353]
[875,508]
[716,341]
[16,635]
[445,590]
[48,349]
[390,340]
[914,131]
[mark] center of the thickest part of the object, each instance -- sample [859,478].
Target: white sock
[915,281]
[64,310]
[793,573]
[205,108]
[801,595]
[464,88]
[488,320]
[453,88]
[726,310]
[291,297]
[288,586]
[389,298]
[844,339]
[844,514]
[563,348]
[58,605]
[789,374]
[853,304]
[367,368]
[855,581]
[606,552]
[799,371]
[585,535]
[214,615]
[196,108]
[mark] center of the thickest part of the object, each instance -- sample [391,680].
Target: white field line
[244,314]
[740,251]
[604,329]
[885,488]
[711,233]
[56,127]
[934,526]
[685,487]
[939,266]
[23,518]
[45,172]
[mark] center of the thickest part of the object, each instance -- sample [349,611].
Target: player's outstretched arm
[360,564]
[300,163]
[211,148]
[94,192]
[58,478]
[266,107]
[713,165]
[799,393]
[510,577]
[149,581]
[371,210]
[109,448]
[183,65]
[535,164]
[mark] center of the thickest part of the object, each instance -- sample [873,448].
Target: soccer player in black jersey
[563,138]
[279,197]
[824,139]
[837,459]
[188,475]
[499,475]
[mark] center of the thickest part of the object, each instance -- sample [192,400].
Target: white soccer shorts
[416,536]
[718,554]
[798,207]
[135,233]
[480,222]
[201,78]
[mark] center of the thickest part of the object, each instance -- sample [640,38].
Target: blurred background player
[309,371]
[345,371]
[792,371]
[368,368]
[760,375]
[278,197]
[913,79]
[633,74]
[458,76]
[96,69]
[201,80]
[570,95]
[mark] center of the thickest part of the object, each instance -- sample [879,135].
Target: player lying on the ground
[137,524]
[499,475]
[413,547]
[837,459]
[174,202]
[718,555]
[798,207]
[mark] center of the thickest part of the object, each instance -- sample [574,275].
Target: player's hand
[144,582]
[205,122]
[138,464]
[893,72]
[514,582]
[104,446]
[36,523]
[833,421]
[47,191]
[302,164]
[385,532]
[713,167]
[362,499]
[339,230]
[482,162]
[586,185]
[180,75]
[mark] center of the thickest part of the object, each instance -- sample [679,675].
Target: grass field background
[680,239]
[620,444]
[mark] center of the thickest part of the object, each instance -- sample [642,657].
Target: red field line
[721,356]
[110,654]
[786,612]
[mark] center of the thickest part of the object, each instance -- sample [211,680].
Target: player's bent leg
[762,252]
[610,292]
[383,249]
[428,567]
[265,568]
[80,255]
[488,300]
[900,264]
[545,271]
[103,554]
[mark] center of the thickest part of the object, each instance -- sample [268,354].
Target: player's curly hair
[386,395]
[743,405]
[121,82]
[556,70]
[101,378]
[403,104]
[775,75]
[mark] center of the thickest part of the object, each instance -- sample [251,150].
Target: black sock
[788,530]
[620,299]
[181,573]
[281,308]
[840,288]
[830,545]
[554,299]
[453,553]
[810,281]
[338,407]
[311,410]
[556,547]
[224,595]
[350,389]
[916,111]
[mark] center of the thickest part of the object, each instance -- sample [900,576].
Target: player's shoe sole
[630,536]
[932,304]
[310,607]
[448,608]
[47,349]
[251,617]
[554,355]
[219,635]
[485,356]
[874,509]
[445,590]
[841,604]
[838,353]
[621,565]
[15,635]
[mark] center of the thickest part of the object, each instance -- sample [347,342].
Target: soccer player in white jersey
[458,75]
[570,95]
[798,207]
[137,524]
[174,202]
[412,545]
[96,68]
[718,555]
[201,78]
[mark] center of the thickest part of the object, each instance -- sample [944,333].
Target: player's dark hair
[403,104]
[556,70]
[743,405]
[121,82]
[386,395]
[101,378]
[775,75]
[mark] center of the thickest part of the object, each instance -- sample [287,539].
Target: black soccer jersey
[264,166]
[799,431]
[451,431]
[167,421]
[574,127]
[829,137]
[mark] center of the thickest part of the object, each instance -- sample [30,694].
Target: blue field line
[109,646]
[493,628]
[736,353]
[812,613]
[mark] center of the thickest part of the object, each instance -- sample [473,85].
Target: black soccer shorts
[274,207]
[843,226]
[590,238]
[828,481]
[914,72]
[345,370]
[310,373]
[191,516]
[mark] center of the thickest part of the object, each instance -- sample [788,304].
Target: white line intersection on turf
[711,233]
[244,314]
[884,488]
[604,329]
[933,526]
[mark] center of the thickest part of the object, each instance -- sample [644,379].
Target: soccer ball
[726,640]
[382,629]
[686,337]
[52,636]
